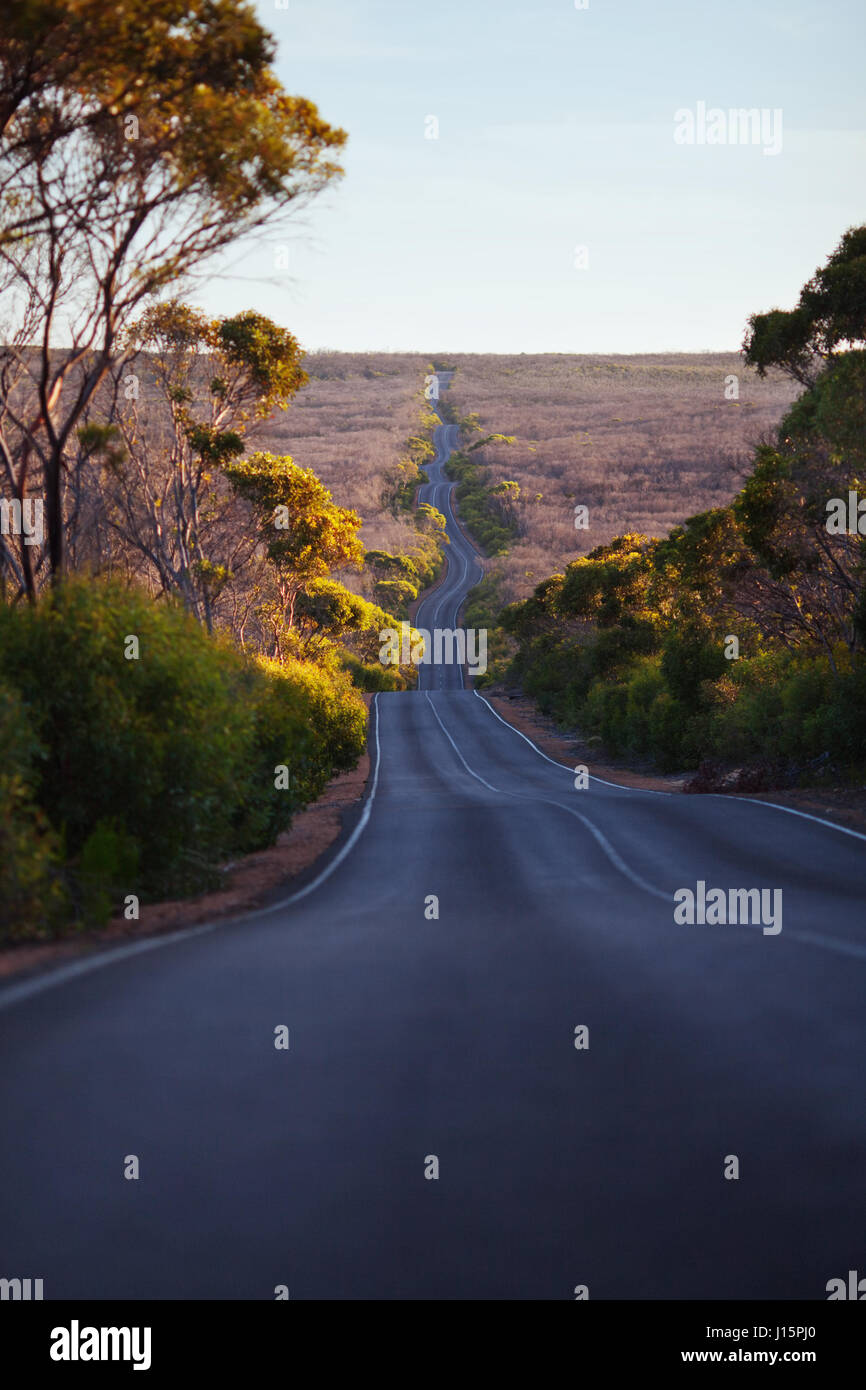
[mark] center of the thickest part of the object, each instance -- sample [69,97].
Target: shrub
[372,676]
[645,684]
[154,769]
[665,731]
[606,715]
[32,899]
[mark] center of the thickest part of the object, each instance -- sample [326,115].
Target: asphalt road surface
[441,607]
[416,1037]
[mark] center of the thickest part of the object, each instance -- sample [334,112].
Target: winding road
[440,608]
[432,975]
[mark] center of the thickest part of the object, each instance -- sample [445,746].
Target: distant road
[413,1038]
[441,607]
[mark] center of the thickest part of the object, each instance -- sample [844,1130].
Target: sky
[560,207]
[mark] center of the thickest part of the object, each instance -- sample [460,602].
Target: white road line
[830,943]
[28,988]
[452,585]
[648,790]
[613,855]
[843,829]
[476,775]
[730,796]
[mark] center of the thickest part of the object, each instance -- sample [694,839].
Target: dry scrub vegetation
[642,441]
[350,425]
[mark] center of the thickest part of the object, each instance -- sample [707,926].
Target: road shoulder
[248,883]
[844,806]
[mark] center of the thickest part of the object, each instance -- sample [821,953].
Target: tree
[396,593]
[831,311]
[387,566]
[504,497]
[305,534]
[431,522]
[140,139]
[491,439]
[200,386]
[326,612]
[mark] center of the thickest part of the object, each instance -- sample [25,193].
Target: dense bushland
[137,773]
[139,776]
[741,636]
[486,509]
[183,609]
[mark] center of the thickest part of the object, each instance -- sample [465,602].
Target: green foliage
[387,566]
[831,311]
[169,758]
[268,355]
[330,613]
[397,594]
[481,611]
[632,641]
[107,867]
[834,410]
[140,141]
[759,509]
[330,610]
[669,734]
[397,582]
[372,676]
[305,533]
[210,109]
[403,481]
[483,603]
[101,443]
[257,366]
[32,900]
[691,656]
[215,447]
[428,553]
[487,511]
[430,521]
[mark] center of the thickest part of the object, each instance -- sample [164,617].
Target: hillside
[642,441]
[351,425]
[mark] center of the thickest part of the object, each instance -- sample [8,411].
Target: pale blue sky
[556,130]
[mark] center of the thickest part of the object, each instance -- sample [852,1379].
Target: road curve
[446,1030]
[441,606]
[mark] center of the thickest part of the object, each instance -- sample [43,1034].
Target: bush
[32,900]
[107,865]
[645,685]
[843,725]
[692,655]
[666,728]
[372,676]
[478,505]
[153,769]
[606,715]
[395,595]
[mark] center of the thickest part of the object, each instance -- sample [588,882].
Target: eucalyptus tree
[139,140]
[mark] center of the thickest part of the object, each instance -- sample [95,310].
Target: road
[416,1036]
[441,607]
